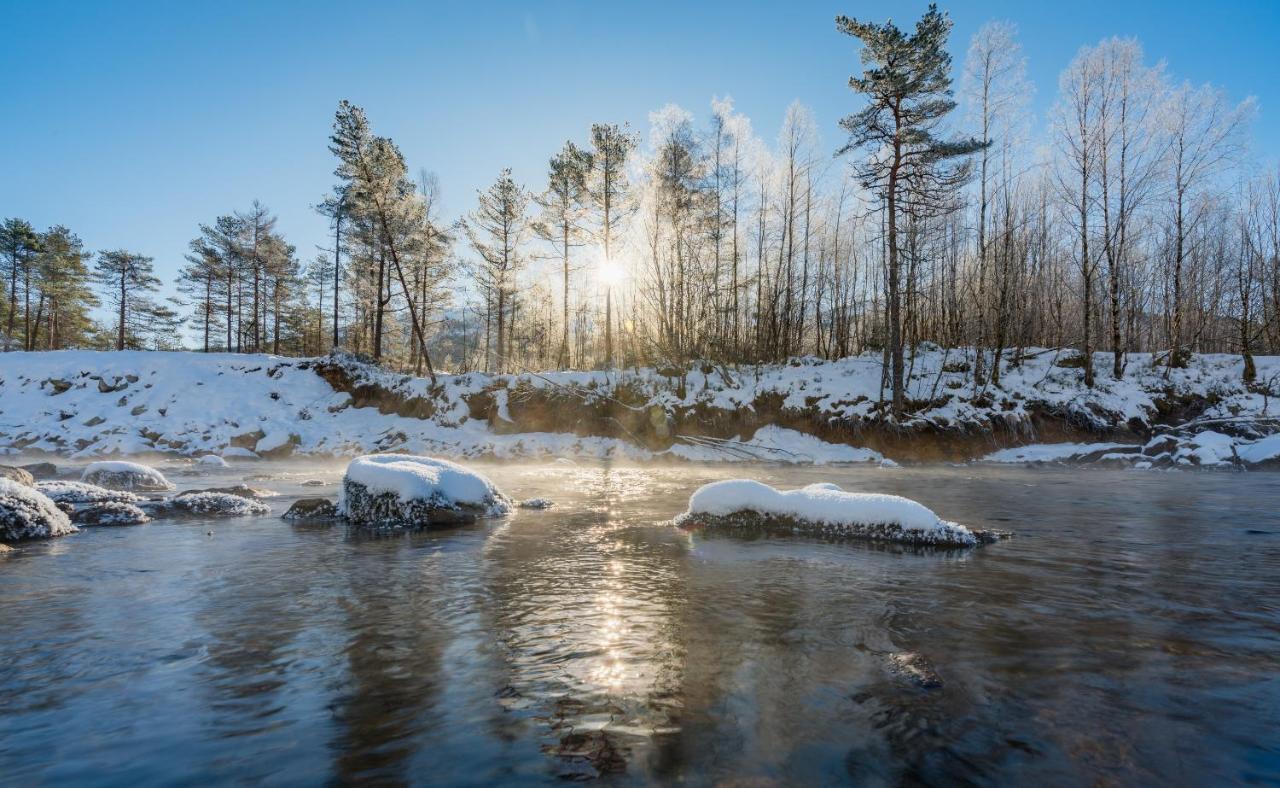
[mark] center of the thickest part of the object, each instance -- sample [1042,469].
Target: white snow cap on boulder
[826,509]
[423,479]
[119,475]
[27,513]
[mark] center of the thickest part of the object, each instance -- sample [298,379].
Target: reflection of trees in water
[586,611]
[392,610]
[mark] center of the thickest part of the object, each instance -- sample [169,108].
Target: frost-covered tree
[496,229]
[564,205]
[607,188]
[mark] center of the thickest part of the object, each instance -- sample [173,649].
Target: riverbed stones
[212,503]
[109,513]
[117,475]
[312,509]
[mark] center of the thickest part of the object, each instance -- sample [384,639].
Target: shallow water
[1130,632]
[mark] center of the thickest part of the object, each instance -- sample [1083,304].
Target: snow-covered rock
[239,453]
[120,475]
[109,513]
[823,510]
[213,461]
[82,493]
[213,503]
[18,475]
[401,489]
[536,503]
[27,513]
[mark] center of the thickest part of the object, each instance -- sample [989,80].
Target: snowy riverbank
[94,404]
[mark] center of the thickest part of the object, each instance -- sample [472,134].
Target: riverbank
[92,404]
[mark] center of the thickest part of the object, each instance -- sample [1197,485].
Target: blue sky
[132,122]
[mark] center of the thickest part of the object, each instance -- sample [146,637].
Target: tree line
[1130,219]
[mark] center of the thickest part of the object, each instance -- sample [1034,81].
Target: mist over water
[1130,632]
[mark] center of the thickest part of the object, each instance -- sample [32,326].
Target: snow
[272,441]
[1048,452]
[1263,450]
[27,513]
[79,492]
[127,475]
[217,503]
[827,506]
[213,460]
[197,404]
[773,444]
[412,478]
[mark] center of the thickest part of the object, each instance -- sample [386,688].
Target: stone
[312,509]
[19,475]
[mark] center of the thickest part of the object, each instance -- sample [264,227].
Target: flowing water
[1130,632]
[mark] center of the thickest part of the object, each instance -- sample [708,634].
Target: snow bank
[26,513]
[120,475]
[406,489]
[773,444]
[1049,452]
[822,509]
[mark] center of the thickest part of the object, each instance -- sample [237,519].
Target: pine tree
[127,280]
[611,145]
[18,246]
[65,297]
[907,82]
[563,206]
[496,229]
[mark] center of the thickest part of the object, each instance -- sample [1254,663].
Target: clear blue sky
[132,122]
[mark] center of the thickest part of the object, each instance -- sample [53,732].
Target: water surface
[1129,633]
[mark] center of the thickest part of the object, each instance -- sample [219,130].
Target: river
[1128,633]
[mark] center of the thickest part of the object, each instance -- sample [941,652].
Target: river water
[1128,633]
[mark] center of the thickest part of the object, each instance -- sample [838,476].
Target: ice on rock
[82,493]
[824,510]
[215,503]
[119,475]
[402,489]
[27,513]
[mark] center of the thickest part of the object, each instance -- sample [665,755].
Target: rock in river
[26,513]
[109,513]
[118,475]
[312,509]
[404,490]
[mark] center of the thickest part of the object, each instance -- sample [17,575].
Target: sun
[610,273]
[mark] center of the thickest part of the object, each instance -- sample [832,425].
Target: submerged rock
[62,492]
[915,668]
[109,513]
[823,510]
[27,513]
[312,509]
[118,475]
[404,490]
[536,503]
[19,475]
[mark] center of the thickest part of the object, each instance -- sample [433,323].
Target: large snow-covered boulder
[823,510]
[119,475]
[401,489]
[77,493]
[26,513]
